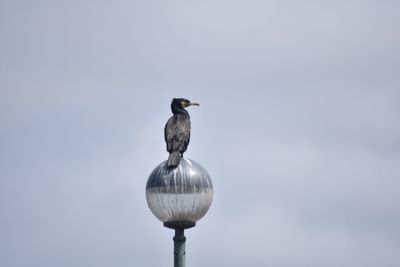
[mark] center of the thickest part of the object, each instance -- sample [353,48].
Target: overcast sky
[298,126]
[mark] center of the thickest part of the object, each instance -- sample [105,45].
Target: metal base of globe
[179,225]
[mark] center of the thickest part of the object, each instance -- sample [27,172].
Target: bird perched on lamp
[177,130]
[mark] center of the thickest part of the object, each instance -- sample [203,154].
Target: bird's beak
[193,104]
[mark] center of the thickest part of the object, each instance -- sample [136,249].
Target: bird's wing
[169,135]
[179,137]
[177,134]
[185,137]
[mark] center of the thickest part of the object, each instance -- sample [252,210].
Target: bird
[177,130]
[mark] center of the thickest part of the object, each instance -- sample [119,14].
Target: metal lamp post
[179,197]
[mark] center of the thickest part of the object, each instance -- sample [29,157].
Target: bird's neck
[179,111]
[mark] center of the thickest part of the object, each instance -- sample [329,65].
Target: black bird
[177,130]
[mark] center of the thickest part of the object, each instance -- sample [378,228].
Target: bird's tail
[174,159]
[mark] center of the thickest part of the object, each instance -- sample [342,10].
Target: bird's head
[182,103]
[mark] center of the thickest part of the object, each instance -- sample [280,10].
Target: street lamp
[179,197]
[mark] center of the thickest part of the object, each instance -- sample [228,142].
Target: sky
[298,127]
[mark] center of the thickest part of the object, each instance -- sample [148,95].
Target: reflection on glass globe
[183,193]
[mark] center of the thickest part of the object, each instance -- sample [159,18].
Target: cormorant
[177,130]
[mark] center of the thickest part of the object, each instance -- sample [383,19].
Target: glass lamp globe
[179,196]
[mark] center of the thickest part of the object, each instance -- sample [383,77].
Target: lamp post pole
[179,248]
[179,240]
